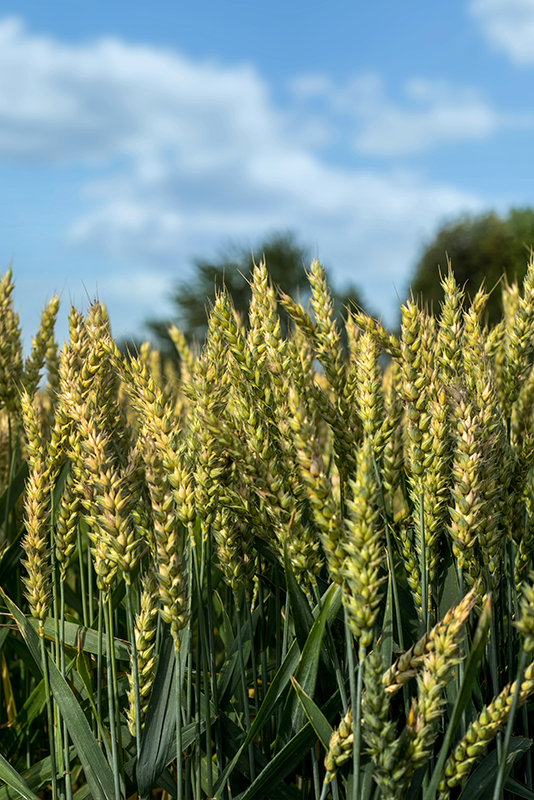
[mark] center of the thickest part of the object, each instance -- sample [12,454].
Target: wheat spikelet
[523,554]
[494,339]
[340,747]
[145,641]
[525,623]
[491,437]
[116,489]
[187,357]
[522,412]
[436,477]
[411,560]
[379,731]
[343,440]
[450,336]
[36,544]
[406,666]
[348,402]
[319,489]
[210,399]
[40,344]
[67,525]
[265,455]
[300,317]
[393,453]
[265,322]
[410,663]
[168,541]
[481,732]
[466,489]
[235,550]
[387,341]
[368,396]
[69,397]
[324,337]
[164,468]
[518,337]
[442,653]
[52,367]
[327,336]
[415,371]
[364,548]
[96,480]
[300,362]
[261,318]
[11,370]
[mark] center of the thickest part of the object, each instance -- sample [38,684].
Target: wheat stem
[99,659]
[66,766]
[179,764]
[252,655]
[315,774]
[244,685]
[48,698]
[188,707]
[349,640]
[285,641]
[266,738]
[213,669]
[113,722]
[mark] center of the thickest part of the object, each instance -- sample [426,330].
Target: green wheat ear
[365,549]
[145,638]
[37,509]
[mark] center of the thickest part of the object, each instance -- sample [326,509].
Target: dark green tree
[480,248]
[286,260]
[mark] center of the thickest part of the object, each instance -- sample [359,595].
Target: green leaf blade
[96,769]
[319,722]
[14,780]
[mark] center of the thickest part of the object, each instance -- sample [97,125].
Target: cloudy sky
[135,136]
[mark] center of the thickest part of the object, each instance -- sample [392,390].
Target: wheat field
[293,567]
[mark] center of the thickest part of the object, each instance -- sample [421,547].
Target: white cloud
[432,114]
[508,25]
[192,153]
[104,99]
[438,115]
[310,85]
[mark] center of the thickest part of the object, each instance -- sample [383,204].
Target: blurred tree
[285,259]
[480,248]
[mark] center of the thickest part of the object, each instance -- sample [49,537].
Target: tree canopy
[480,248]
[285,258]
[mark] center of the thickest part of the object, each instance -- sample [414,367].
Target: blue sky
[135,136]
